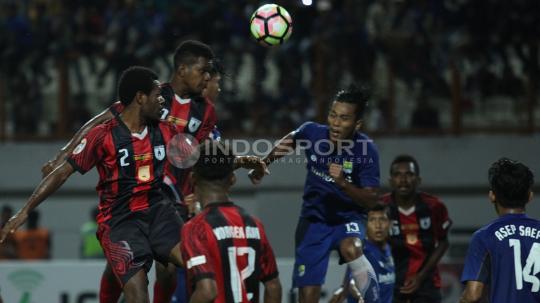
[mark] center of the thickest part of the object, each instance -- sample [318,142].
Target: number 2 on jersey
[532,265]
[238,276]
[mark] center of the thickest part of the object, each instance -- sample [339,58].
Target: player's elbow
[206,290]
[472,293]
[272,291]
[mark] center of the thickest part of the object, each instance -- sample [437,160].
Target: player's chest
[188,117]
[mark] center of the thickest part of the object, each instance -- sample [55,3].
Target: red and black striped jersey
[196,117]
[130,166]
[228,245]
[415,233]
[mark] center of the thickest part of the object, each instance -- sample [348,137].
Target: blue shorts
[314,242]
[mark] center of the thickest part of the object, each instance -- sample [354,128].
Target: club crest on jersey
[80,147]
[347,167]
[143,173]
[194,124]
[425,223]
[159,152]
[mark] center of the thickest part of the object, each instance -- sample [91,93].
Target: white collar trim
[407,212]
[180,100]
[142,134]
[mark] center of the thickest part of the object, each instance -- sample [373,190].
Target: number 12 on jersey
[239,275]
[532,265]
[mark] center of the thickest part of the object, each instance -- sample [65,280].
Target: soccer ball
[271,25]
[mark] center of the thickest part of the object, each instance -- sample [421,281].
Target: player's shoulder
[431,200]
[311,126]
[103,128]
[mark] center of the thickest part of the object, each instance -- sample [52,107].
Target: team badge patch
[301,270]
[80,147]
[347,167]
[143,173]
[425,223]
[159,152]
[194,124]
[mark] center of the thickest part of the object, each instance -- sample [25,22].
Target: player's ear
[531,195]
[359,124]
[182,69]
[418,180]
[492,197]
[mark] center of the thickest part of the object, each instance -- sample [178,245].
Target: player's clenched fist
[336,172]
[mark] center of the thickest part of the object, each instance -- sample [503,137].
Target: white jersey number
[238,276]
[532,265]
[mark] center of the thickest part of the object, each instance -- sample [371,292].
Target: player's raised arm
[284,147]
[48,185]
[50,165]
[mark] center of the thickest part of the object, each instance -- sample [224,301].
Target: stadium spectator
[418,234]
[34,243]
[90,247]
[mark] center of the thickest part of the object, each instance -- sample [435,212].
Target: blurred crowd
[493,43]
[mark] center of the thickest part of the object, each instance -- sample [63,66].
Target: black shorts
[131,243]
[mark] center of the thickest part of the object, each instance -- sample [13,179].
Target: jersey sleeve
[443,222]
[209,123]
[477,263]
[302,132]
[89,151]
[195,248]
[369,174]
[116,108]
[267,260]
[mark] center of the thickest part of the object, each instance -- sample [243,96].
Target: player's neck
[179,88]
[405,202]
[133,120]
[507,211]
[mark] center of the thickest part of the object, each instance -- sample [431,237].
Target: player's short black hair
[511,181]
[406,159]
[216,161]
[188,51]
[356,95]
[7,209]
[379,207]
[135,79]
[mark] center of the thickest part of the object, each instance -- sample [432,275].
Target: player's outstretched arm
[272,291]
[49,185]
[472,292]
[205,291]
[48,167]
[284,147]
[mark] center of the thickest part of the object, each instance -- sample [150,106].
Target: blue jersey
[506,255]
[383,264]
[323,199]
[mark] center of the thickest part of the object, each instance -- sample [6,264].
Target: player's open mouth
[334,133]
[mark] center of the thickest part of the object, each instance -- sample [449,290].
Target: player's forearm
[205,291]
[272,291]
[434,258]
[364,197]
[472,292]
[48,185]
[284,147]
